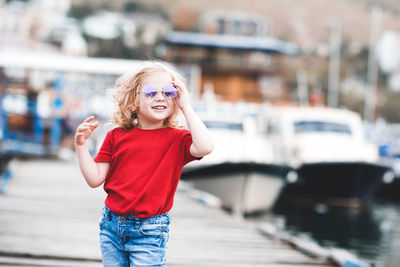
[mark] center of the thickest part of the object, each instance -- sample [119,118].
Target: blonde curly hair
[126,94]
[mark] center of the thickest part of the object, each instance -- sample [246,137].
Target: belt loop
[108,213]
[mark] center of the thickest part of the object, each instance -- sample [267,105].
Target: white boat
[327,148]
[239,170]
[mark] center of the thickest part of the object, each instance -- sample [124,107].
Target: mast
[302,90]
[372,72]
[334,65]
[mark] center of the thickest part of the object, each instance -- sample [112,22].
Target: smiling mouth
[159,107]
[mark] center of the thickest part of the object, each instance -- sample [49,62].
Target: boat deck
[48,217]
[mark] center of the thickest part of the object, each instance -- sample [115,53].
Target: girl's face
[154,108]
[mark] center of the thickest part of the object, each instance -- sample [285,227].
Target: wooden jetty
[49,217]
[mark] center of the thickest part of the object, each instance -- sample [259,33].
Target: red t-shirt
[145,166]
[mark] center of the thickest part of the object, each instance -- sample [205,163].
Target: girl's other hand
[183,99]
[85,129]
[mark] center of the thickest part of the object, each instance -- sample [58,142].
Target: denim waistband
[163,218]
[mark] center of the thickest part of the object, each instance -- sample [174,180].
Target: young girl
[140,163]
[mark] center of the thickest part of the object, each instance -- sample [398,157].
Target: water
[372,233]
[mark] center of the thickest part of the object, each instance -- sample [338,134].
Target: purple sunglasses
[168,91]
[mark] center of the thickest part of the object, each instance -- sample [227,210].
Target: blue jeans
[132,241]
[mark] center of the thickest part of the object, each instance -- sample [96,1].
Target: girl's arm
[202,142]
[94,173]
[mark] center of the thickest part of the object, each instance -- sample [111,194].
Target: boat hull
[390,192]
[338,180]
[242,187]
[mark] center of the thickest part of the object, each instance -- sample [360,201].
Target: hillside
[305,22]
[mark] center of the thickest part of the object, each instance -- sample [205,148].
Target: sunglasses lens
[149,91]
[170,91]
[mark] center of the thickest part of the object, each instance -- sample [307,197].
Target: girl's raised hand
[85,129]
[183,99]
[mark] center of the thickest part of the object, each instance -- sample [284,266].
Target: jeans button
[123,219]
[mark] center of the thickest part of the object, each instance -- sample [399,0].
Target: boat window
[321,126]
[224,125]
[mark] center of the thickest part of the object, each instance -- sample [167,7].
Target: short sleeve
[186,143]
[104,154]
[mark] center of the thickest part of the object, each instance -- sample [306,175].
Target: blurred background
[310,88]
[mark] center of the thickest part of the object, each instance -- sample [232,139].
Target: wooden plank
[27,261]
[49,217]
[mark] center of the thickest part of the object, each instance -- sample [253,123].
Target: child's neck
[151,126]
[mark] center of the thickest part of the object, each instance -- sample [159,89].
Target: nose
[159,96]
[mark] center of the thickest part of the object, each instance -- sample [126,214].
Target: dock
[49,217]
